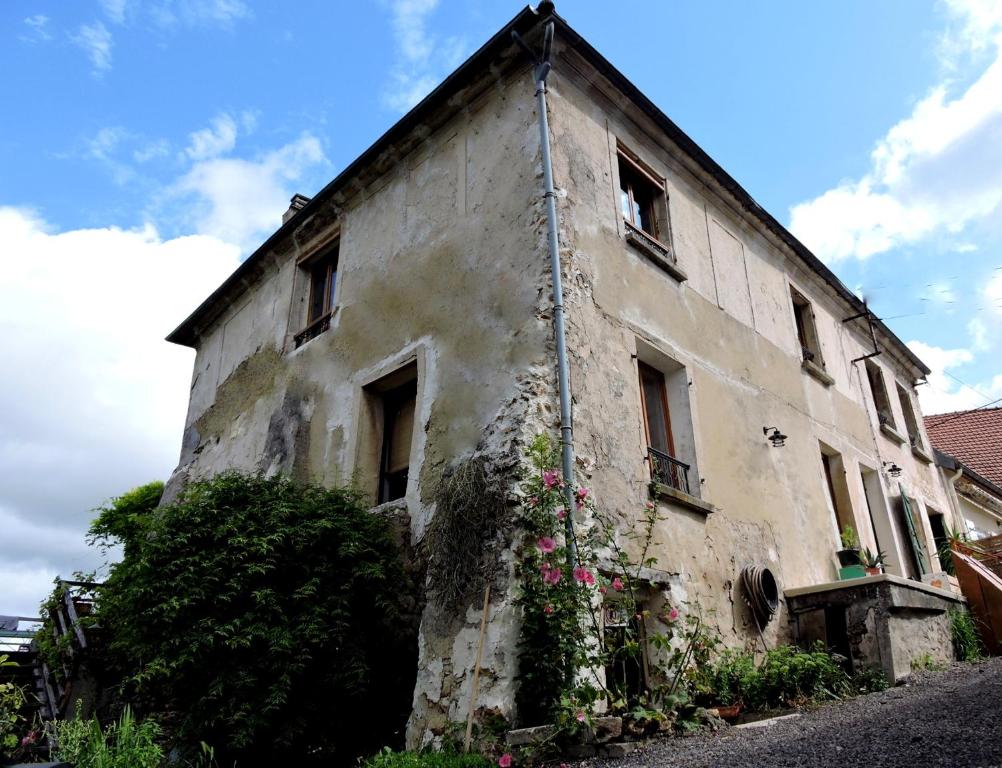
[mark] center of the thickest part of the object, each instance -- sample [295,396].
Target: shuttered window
[398,429]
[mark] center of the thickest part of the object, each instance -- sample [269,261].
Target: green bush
[966,642]
[259,616]
[387,758]
[787,676]
[126,743]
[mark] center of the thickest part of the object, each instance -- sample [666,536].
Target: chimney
[297,204]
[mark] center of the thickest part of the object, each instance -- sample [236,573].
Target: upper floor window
[911,423]
[807,332]
[880,400]
[642,198]
[321,270]
[663,442]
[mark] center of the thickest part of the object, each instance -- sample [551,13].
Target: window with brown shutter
[398,428]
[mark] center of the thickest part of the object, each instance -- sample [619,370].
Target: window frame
[805,323]
[885,416]
[327,257]
[643,368]
[391,400]
[656,245]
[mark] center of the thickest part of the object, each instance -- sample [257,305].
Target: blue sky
[149,145]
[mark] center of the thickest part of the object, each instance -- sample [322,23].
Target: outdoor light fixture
[892,469]
[777,438]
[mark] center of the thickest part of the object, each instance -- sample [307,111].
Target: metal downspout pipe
[540,72]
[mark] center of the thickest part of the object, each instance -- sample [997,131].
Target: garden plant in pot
[874,563]
[849,554]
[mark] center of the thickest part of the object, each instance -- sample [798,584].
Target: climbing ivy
[259,616]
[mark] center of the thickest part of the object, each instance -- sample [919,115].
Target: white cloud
[100,397]
[218,139]
[936,171]
[238,200]
[37,28]
[151,151]
[114,10]
[978,332]
[96,40]
[198,13]
[423,59]
[944,393]
[993,292]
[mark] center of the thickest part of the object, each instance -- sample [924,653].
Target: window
[879,392]
[665,468]
[911,424]
[644,207]
[322,273]
[807,334]
[398,428]
[838,489]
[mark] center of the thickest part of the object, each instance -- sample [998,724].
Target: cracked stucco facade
[443,264]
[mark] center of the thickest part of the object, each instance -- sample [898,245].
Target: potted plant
[874,563]
[849,554]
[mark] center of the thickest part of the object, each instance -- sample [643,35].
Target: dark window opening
[911,423]
[625,643]
[880,400]
[807,334]
[398,428]
[942,541]
[322,272]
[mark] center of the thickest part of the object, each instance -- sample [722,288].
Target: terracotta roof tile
[972,437]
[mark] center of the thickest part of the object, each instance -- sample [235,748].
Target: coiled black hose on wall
[761,592]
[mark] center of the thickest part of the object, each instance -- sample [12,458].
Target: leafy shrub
[11,719]
[259,616]
[788,676]
[387,758]
[126,743]
[966,642]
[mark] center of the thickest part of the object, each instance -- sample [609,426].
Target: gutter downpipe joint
[540,73]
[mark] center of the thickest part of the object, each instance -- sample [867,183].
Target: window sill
[921,454]
[893,434]
[817,372]
[656,251]
[673,496]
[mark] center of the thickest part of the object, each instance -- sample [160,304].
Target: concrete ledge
[893,434]
[872,581]
[920,453]
[817,372]
[672,496]
[660,254]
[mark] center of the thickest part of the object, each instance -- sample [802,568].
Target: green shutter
[917,547]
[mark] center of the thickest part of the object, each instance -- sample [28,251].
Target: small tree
[259,616]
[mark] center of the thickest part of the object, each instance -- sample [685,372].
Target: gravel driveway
[951,718]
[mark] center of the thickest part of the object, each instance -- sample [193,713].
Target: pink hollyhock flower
[551,479]
[583,575]
[673,614]
[533,501]
[552,576]
[546,544]
[581,716]
[650,506]
[561,513]
[548,609]
[581,494]
[617,584]
[505,760]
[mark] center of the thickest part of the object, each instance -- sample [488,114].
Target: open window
[320,271]
[644,208]
[386,434]
[879,392]
[807,333]
[838,489]
[911,423]
[664,396]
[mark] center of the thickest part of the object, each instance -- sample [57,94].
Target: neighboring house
[399,322]
[969,451]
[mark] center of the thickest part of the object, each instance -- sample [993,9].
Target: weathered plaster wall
[731,324]
[443,263]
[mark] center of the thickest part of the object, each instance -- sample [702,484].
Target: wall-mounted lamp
[892,469]
[777,438]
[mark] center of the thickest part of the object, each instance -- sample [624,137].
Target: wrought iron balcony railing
[669,471]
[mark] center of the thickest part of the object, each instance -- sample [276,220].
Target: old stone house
[399,322]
